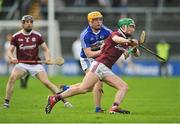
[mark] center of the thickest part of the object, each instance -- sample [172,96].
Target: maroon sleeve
[13,41]
[40,41]
[113,34]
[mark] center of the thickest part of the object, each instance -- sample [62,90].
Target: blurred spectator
[43,4]
[59,4]
[6,3]
[6,46]
[1,1]
[119,3]
[80,3]
[123,4]
[92,3]
[156,3]
[99,3]
[162,49]
[116,3]
[25,6]
[76,49]
[104,3]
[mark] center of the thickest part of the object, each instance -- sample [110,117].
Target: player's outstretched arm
[120,40]
[46,52]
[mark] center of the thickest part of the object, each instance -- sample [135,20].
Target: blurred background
[61,22]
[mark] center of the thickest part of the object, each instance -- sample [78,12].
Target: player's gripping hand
[126,55]
[134,42]
[13,60]
[136,52]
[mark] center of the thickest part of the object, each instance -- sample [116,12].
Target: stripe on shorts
[95,67]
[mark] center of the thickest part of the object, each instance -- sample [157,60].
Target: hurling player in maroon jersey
[115,45]
[27,43]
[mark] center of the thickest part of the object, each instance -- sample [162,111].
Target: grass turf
[150,99]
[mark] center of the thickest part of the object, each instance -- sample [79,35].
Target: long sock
[115,104]
[6,101]
[65,87]
[58,97]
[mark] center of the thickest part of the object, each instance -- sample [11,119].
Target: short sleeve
[113,34]
[85,42]
[40,41]
[13,41]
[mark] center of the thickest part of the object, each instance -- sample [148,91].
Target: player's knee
[97,89]
[13,77]
[98,86]
[124,87]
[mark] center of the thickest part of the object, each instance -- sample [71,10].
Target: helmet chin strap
[124,29]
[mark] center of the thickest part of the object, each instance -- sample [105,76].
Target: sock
[115,104]
[58,97]
[98,109]
[65,87]
[6,101]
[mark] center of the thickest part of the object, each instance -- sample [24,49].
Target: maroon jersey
[111,50]
[27,45]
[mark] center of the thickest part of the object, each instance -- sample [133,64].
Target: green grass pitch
[150,99]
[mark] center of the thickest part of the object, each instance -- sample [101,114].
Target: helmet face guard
[125,21]
[94,15]
[27,18]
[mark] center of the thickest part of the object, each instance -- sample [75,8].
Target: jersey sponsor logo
[119,47]
[33,39]
[22,47]
[27,39]
[102,36]
[92,38]
[98,43]
[20,39]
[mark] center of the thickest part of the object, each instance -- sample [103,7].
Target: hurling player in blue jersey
[92,38]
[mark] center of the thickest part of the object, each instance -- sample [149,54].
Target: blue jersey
[91,39]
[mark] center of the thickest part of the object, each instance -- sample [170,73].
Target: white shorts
[100,70]
[32,69]
[86,63]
